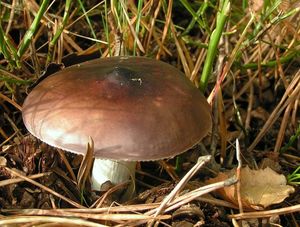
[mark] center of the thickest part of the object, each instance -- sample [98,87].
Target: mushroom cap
[134,108]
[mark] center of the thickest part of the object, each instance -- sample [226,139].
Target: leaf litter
[259,188]
[258,102]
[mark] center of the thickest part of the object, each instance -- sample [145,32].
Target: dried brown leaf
[3,161]
[259,188]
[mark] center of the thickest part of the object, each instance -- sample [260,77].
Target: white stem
[116,172]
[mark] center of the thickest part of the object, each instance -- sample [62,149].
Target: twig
[73,203]
[268,213]
[18,180]
[56,220]
[289,96]
[238,175]
[201,161]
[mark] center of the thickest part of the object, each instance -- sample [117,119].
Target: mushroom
[134,108]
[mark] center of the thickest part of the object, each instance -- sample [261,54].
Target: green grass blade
[213,43]
[137,26]
[32,29]
[4,50]
[58,32]
[106,27]
[89,23]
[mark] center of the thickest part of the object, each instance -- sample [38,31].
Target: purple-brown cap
[134,108]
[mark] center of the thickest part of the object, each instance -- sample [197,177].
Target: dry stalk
[168,16]
[15,173]
[290,95]
[184,63]
[186,198]
[238,176]
[60,212]
[201,161]
[267,213]
[34,220]
[283,125]
[18,180]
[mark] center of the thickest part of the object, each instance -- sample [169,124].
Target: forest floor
[244,58]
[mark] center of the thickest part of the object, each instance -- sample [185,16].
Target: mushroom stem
[116,172]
